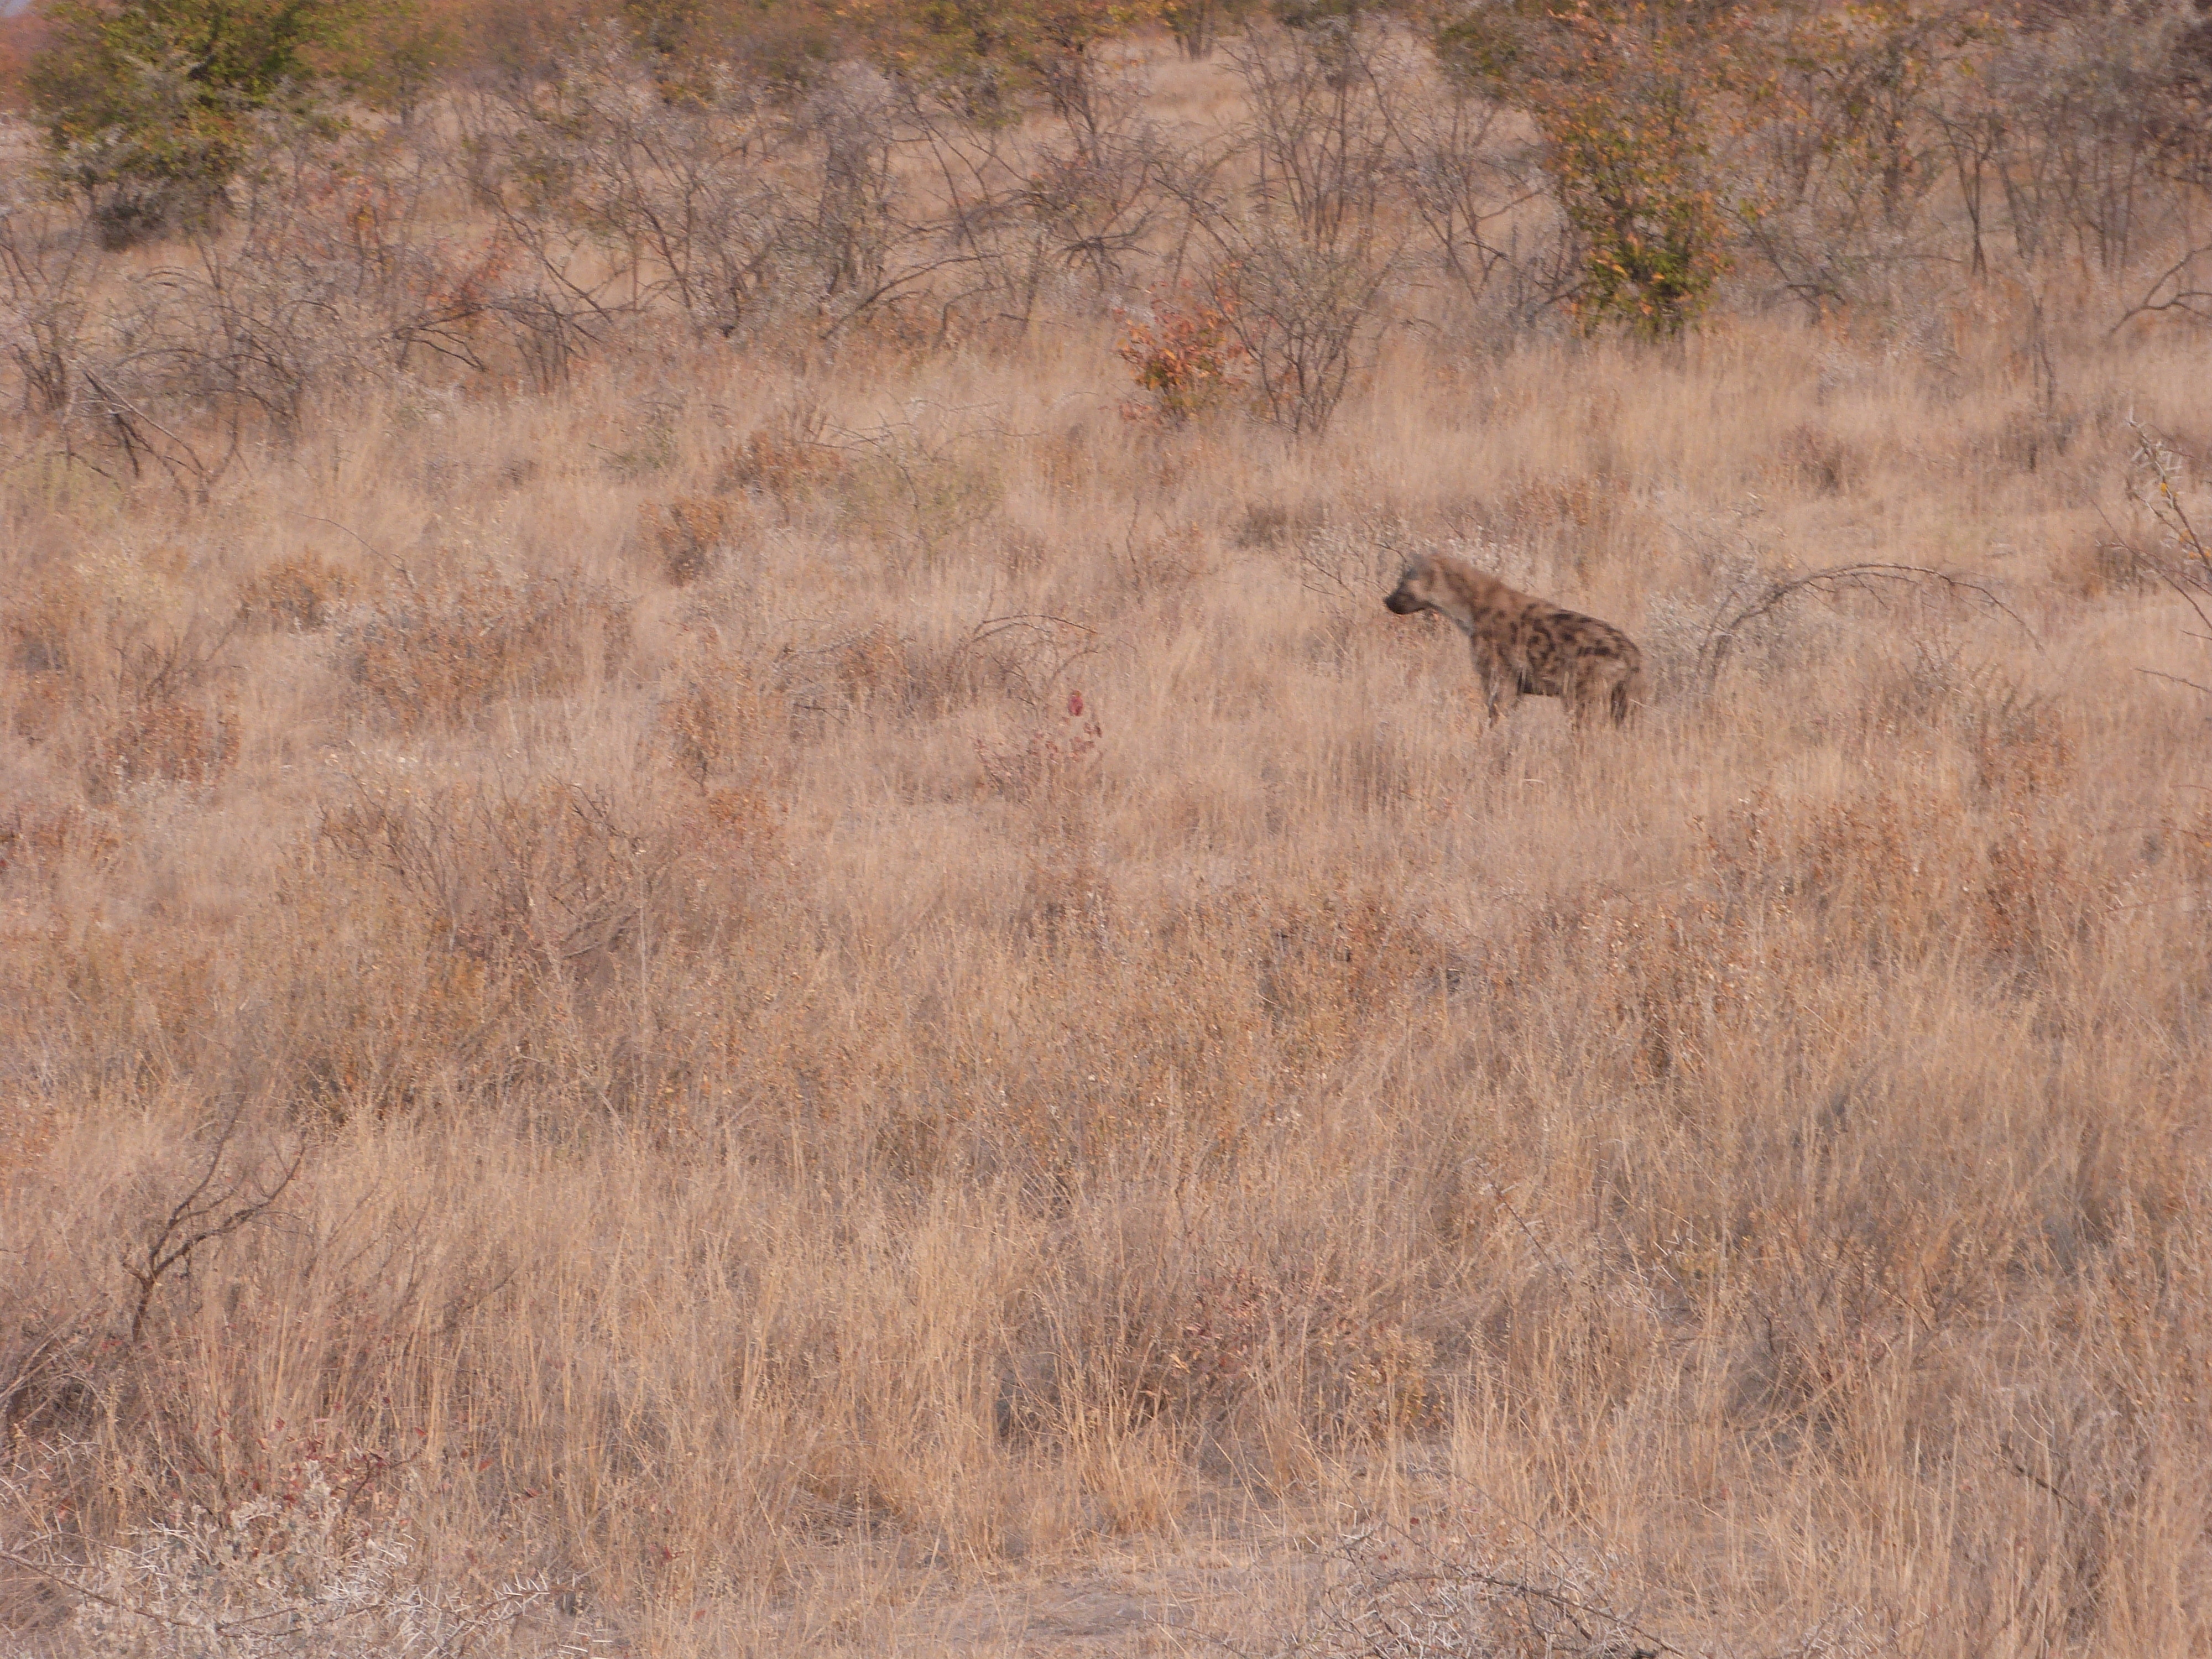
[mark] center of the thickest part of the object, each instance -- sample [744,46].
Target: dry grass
[907,995]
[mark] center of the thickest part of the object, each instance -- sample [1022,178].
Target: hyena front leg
[1501,686]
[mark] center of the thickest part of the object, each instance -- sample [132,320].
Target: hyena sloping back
[1524,646]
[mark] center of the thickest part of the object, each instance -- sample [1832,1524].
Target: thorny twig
[2156,486]
[2192,302]
[198,1218]
[1721,637]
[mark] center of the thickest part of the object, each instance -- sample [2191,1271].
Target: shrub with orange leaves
[1187,359]
[1623,94]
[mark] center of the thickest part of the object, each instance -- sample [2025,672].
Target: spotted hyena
[1524,646]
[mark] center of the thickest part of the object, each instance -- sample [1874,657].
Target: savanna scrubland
[731,927]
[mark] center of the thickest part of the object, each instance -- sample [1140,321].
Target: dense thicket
[942,166]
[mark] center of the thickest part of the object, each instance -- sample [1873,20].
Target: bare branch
[208,1211]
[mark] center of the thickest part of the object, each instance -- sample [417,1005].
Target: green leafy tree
[149,107]
[1627,95]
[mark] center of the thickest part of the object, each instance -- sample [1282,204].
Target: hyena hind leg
[1626,697]
[1605,688]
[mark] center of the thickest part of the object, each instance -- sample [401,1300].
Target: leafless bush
[1096,196]
[1309,251]
[553,872]
[1449,1586]
[441,654]
[1462,171]
[238,1182]
[2183,290]
[2085,127]
[50,264]
[1301,316]
[328,269]
[2159,485]
[679,198]
[860,253]
[1027,659]
[314,1562]
[2062,131]
[1752,602]
[1830,177]
[735,205]
[1092,190]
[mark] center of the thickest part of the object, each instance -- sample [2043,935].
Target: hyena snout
[1402,600]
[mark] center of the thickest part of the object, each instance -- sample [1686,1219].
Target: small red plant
[1186,359]
[1047,759]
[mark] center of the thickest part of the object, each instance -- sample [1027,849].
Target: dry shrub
[928,489]
[244,1581]
[549,879]
[1223,1338]
[690,534]
[1055,758]
[44,628]
[2187,838]
[1456,1583]
[44,620]
[1326,959]
[38,706]
[886,672]
[1571,517]
[847,675]
[2029,440]
[1830,1314]
[504,930]
[1813,458]
[1244,1336]
[300,594]
[191,739]
[1658,980]
[167,714]
[41,837]
[440,655]
[717,721]
[131,701]
[2093,565]
[1900,873]
[790,466]
[1277,524]
[2019,745]
[874,666]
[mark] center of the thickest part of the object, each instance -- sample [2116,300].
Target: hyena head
[1412,592]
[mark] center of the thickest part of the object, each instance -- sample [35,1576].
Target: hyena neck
[1468,594]
[1465,596]
[1458,616]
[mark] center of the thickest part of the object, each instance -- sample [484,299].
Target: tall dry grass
[909,1023]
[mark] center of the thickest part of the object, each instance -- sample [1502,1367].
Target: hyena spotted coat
[1524,646]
